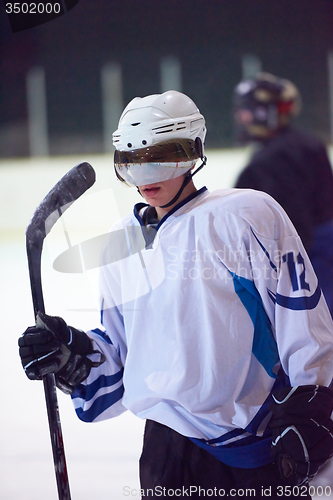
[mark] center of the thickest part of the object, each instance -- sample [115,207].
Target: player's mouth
[151,190]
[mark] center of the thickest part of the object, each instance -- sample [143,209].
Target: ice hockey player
[214,329]
[290,165]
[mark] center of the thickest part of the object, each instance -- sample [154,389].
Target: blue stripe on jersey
[264,345]
[99,405]
[249,457]
[102,334]
[226,437]
[87,392]
[102,312]
[271,263]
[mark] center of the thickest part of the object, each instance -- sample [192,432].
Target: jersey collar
[139,206]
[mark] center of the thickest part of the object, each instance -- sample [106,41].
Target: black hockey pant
[171,466]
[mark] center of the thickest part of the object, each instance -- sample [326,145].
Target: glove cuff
[76,370]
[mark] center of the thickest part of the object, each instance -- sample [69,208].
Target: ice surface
[102,459]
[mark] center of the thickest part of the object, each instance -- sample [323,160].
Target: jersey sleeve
[99,397]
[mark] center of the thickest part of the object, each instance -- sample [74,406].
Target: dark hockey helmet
[263,106]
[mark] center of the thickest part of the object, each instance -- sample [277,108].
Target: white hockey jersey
[204,317]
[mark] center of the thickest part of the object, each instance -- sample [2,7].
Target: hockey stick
[66,191]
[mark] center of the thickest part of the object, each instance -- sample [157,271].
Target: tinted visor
[182,150]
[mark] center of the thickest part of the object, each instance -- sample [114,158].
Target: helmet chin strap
[187,179]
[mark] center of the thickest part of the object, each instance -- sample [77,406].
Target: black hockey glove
[53,347]
[302,431]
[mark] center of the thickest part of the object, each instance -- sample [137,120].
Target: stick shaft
[66,191]
[58,449]
[34,262]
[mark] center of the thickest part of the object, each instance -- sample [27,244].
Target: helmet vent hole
[164,127]
[164,131]
[135,124]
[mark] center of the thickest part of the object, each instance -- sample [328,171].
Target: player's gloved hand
[302,431]
[54,347]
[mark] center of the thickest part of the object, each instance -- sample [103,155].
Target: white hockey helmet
[159,137]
